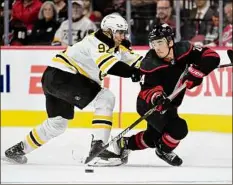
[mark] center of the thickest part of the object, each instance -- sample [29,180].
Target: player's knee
[151,136]
[55,126]
[178,129]
[105,100]
[109,99]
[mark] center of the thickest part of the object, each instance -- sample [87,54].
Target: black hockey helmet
[160,31]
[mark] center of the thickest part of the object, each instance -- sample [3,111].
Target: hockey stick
[124,132]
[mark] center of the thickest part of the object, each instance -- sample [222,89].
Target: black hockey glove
[135,75]
[160,99]
[193,78]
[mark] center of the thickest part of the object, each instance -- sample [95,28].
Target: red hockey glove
[160,99]
[193,78]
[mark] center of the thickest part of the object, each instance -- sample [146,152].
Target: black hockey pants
[64,90]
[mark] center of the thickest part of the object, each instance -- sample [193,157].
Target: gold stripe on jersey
[123,48]
[104,67]
[71,63]
[37,137]
[55,59]
[101,117]
[56,39]
[30,142]
[102,57]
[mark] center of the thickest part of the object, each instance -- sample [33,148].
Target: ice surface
[207,159]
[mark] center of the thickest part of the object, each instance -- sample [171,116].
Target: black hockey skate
[169,157]
[106,154]
[121,148]
[15,154]
[106,158]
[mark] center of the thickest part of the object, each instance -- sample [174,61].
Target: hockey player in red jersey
[166,66]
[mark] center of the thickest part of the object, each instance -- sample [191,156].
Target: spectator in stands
[45,28]
[212,33]
[24,16]
[199,19]
[227,31]
[26,11]
[81,26]
[164,14]
[62,10]
[94,16]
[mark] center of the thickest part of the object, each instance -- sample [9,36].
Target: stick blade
[230,55]
[88,159]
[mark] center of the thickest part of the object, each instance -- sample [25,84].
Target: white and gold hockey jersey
[94,56]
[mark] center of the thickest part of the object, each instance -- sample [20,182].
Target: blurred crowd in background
[45,22]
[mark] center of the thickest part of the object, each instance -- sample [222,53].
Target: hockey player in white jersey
[74,79]
[81,26]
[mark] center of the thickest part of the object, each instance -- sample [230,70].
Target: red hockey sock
[136,142]
[170,142]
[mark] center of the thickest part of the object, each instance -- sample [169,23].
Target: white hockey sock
[102,127]
[39,135]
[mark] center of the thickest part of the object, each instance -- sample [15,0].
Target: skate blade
[98,162]
[9,160]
